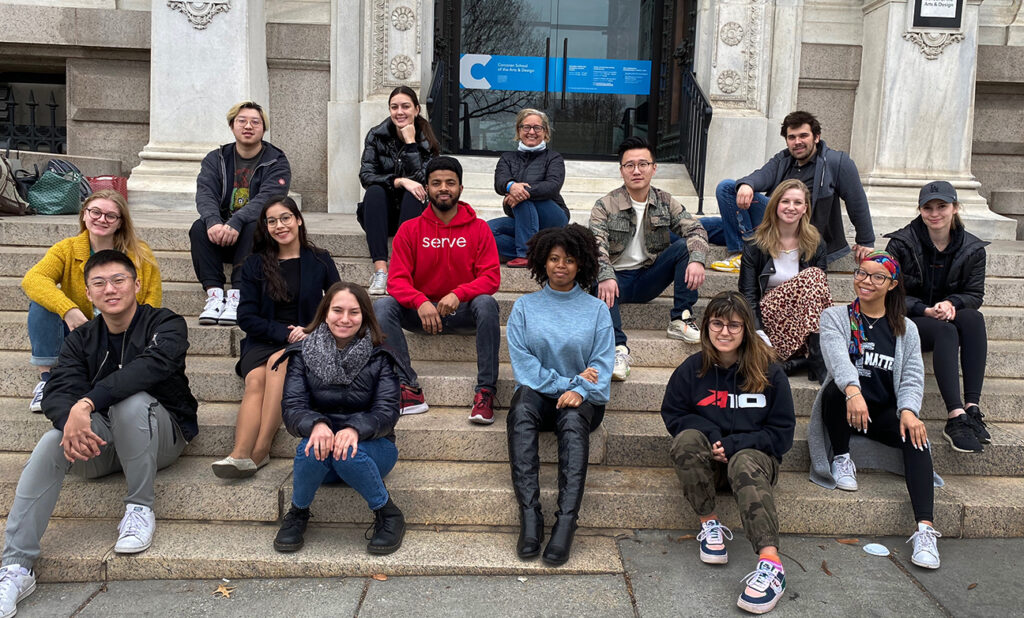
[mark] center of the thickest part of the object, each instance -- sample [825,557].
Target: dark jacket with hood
[543,170]
[317,273]
[386,157]
[716,406]
[835,178]
[964,260]
[757,267]
[370,404]
[154,361]
[215,183]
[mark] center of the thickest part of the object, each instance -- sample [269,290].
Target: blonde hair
[125,239]
[238,107]
[767,236]
[544,122]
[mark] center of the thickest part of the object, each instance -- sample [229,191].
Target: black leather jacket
[370,404]
[757,266]
[386,157]
[966,276]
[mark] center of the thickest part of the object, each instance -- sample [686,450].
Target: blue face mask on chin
[524,148]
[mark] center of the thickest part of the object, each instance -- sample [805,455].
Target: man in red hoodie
[444,270]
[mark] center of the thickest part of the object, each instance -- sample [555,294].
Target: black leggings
[885,428]
[208,259]
[380,217]
[963,339]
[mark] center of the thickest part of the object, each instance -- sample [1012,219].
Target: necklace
[871,323]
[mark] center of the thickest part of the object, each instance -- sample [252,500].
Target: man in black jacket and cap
[119,400]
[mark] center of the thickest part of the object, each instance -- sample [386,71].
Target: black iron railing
[694,122]
[31,136]
[435,100]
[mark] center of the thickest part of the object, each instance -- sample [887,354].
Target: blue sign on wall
[526,73]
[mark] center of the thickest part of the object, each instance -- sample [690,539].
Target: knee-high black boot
[816,369]
[522,427]
[573,430]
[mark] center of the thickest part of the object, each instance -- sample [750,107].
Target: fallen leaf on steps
[224,591]
[379,577]
[848,541]
[521,579]
[972,586]
[824,567]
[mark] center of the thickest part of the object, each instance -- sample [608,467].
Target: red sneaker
[517,263]
[483,408]
[412,401]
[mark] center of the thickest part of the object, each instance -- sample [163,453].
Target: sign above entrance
[526,73]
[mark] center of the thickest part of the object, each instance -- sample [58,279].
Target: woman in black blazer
[282,284]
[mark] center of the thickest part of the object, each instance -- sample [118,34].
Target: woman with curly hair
[730,413]
[562,349]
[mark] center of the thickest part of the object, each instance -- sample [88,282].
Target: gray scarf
[331,365]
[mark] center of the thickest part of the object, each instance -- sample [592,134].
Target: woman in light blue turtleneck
[530,177]
[562,349]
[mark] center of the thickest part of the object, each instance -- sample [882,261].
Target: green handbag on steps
[56,194]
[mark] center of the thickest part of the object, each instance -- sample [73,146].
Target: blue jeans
[363,472]
[528,218]
[734,224]
[46,332]
[645,284]
[481,317]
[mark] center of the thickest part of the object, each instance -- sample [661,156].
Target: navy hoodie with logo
[717,406]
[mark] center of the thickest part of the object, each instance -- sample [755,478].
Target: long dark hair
[265,246]
[755,357]
[422,126]
[365,308]
[576,241]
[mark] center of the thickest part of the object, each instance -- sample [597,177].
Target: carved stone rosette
[395,43]
[742,38]
[932,44]
[200,14]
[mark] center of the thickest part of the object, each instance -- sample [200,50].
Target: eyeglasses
[718,325]
[255,122]
[876,278]
[96,214]
[283,220]
[531,128]
[643,166]
[99,284]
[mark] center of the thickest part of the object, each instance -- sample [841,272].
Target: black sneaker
[975,418]
[289,537]
[959,432]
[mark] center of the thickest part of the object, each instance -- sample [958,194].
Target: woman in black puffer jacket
[341,397]
[393,173]
[530,178]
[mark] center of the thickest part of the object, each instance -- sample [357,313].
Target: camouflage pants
[750,473]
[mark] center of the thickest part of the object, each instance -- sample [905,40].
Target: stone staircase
[452,480]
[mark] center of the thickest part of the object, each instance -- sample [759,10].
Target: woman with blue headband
[873,390]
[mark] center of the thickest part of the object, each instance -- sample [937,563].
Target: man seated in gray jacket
[119,401]
[831,175]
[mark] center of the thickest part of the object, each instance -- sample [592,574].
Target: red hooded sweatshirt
[430,259]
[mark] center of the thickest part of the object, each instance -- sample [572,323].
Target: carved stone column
[748,63]
[205,57]
[375,46]
[914,115]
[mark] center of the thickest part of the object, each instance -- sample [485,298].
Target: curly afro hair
[576,241]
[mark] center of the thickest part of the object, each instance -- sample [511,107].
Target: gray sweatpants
[141,438]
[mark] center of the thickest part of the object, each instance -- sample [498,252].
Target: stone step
[624,438]
[81,550]
[450,384]
[445,493]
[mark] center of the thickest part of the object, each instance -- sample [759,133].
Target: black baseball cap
[936,190]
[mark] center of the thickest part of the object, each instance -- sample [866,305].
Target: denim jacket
[613,223]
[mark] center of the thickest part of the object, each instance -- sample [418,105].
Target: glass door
[586,63]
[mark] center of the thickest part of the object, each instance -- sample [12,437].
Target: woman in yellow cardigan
[55,311]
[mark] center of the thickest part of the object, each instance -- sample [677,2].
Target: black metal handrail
[31,136]
[435,99]
[694,123]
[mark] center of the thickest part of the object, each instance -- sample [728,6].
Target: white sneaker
[378,283]
[844,472]
[214,307]
[37,397]
[230,315]
[621,369]
[16,583]
[136,529]
[684,328]
[926,549]
[712,542]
